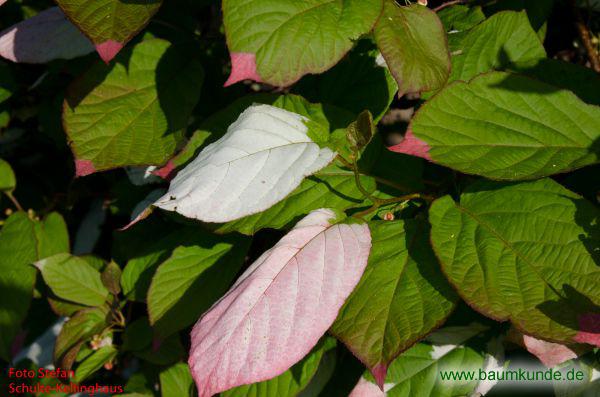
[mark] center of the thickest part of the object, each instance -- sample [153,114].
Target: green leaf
[356,83]
[191,280]
[138,272]
[94,362]
[413,43]
[77,330]
[8,182]
[176,381]
[534,263]
[134,112]
[291,382]
[504,39]
[22,242]
[515,128]
[400,298]
[73,279]
[417,371]
[457,20]
[109,24]
[285,39]
[332,187]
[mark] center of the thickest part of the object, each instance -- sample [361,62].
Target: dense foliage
[344,197]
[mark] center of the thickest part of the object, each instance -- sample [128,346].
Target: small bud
[8,212]
[423,2]
[388,216]
[109,366]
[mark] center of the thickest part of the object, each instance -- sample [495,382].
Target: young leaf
[400,298]
[191,280]
[515,128]
[43,38]
[77,330]
[263,157]
[417,371]
[280,307]
[360,132]
[8,182]
[110,24]
[73,279]
[505,39]
[134,112]
[111,278]
[413,43]
[279,42]
[533,264]
[292,382]
[176,381]
[94,362]
[22,242]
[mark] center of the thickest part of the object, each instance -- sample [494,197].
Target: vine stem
[14,200]
[448,4]
[586,37]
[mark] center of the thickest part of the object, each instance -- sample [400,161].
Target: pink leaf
[2,2]
[413,146]
[550,354]
[589,325]
[84,167]
[280,307]
[364,388]
[108,50]
[45,37]
[243,67]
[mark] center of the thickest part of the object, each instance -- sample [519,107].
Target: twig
[586,38]
[448,4]
[14,201]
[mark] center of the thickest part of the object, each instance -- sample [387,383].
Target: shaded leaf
[42,38]
[134,112]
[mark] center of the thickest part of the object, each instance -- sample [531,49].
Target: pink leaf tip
[379,373]
[550,354]
[108,50]
[166,172]
[413,146]
[589,329]
[243,67]
[84,167]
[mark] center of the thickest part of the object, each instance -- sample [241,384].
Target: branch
[448,4]
[586,38]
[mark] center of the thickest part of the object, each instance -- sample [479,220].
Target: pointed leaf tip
[413,146]
[589,333]
[379,373]
[243,67]
[166,172]
[550,354]
[108,50]
[301,283]
[84,167]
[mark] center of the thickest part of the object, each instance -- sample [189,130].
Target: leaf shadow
[570,308]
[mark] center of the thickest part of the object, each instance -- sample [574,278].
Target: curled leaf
[280,307]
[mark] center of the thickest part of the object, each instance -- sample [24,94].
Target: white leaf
[45,37]
[262,158]
[280,307]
